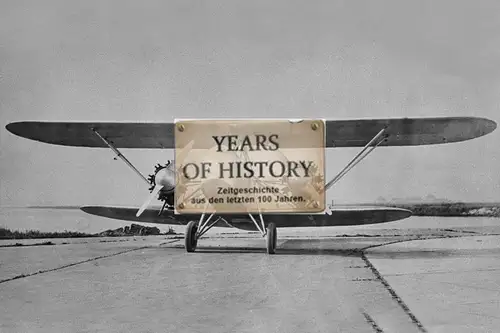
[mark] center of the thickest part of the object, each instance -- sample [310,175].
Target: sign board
[249,166]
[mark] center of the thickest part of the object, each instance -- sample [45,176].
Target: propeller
[150,198]
[164,179]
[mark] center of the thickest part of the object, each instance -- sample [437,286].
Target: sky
[66,60]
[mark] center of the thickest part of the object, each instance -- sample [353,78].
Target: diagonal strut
[358,158]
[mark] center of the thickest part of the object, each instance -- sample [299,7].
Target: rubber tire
[190,240]
[271,238]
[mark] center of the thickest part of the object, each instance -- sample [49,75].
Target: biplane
[366,134]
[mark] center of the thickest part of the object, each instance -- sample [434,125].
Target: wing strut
[262,224]
[370,146]
[120,155]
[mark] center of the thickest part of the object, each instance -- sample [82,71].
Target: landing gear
[270,233]
[194,230]
[271,237]
[191,239]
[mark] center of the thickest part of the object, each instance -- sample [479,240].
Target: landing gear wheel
[271,238]
[190,240]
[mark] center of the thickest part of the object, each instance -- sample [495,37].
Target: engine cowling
[164,175]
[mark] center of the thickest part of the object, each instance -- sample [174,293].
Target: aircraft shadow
[376,252]
[279,251]
[432,253]
[380,254]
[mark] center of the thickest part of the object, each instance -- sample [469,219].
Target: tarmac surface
[418,280]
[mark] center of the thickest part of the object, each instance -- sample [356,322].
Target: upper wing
[337,217]
[339,133]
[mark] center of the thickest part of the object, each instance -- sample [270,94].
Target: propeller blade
[153,194]
[162,207]
[184,152]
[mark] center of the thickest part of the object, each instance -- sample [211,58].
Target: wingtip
[86,209]
[399,213]
[10,127]
[93,210]
[476,127]
[490,125]
[18,128]
[483,127]
[406,212]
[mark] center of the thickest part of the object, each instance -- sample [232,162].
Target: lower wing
[336,217]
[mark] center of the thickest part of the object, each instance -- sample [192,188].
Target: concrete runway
[389,281]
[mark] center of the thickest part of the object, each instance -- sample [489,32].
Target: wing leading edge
[339,133]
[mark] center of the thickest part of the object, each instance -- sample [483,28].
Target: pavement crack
[72,264]
[461,231]
[169,242]
[393,293]
[410,240]
[384,244]
[372,322]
